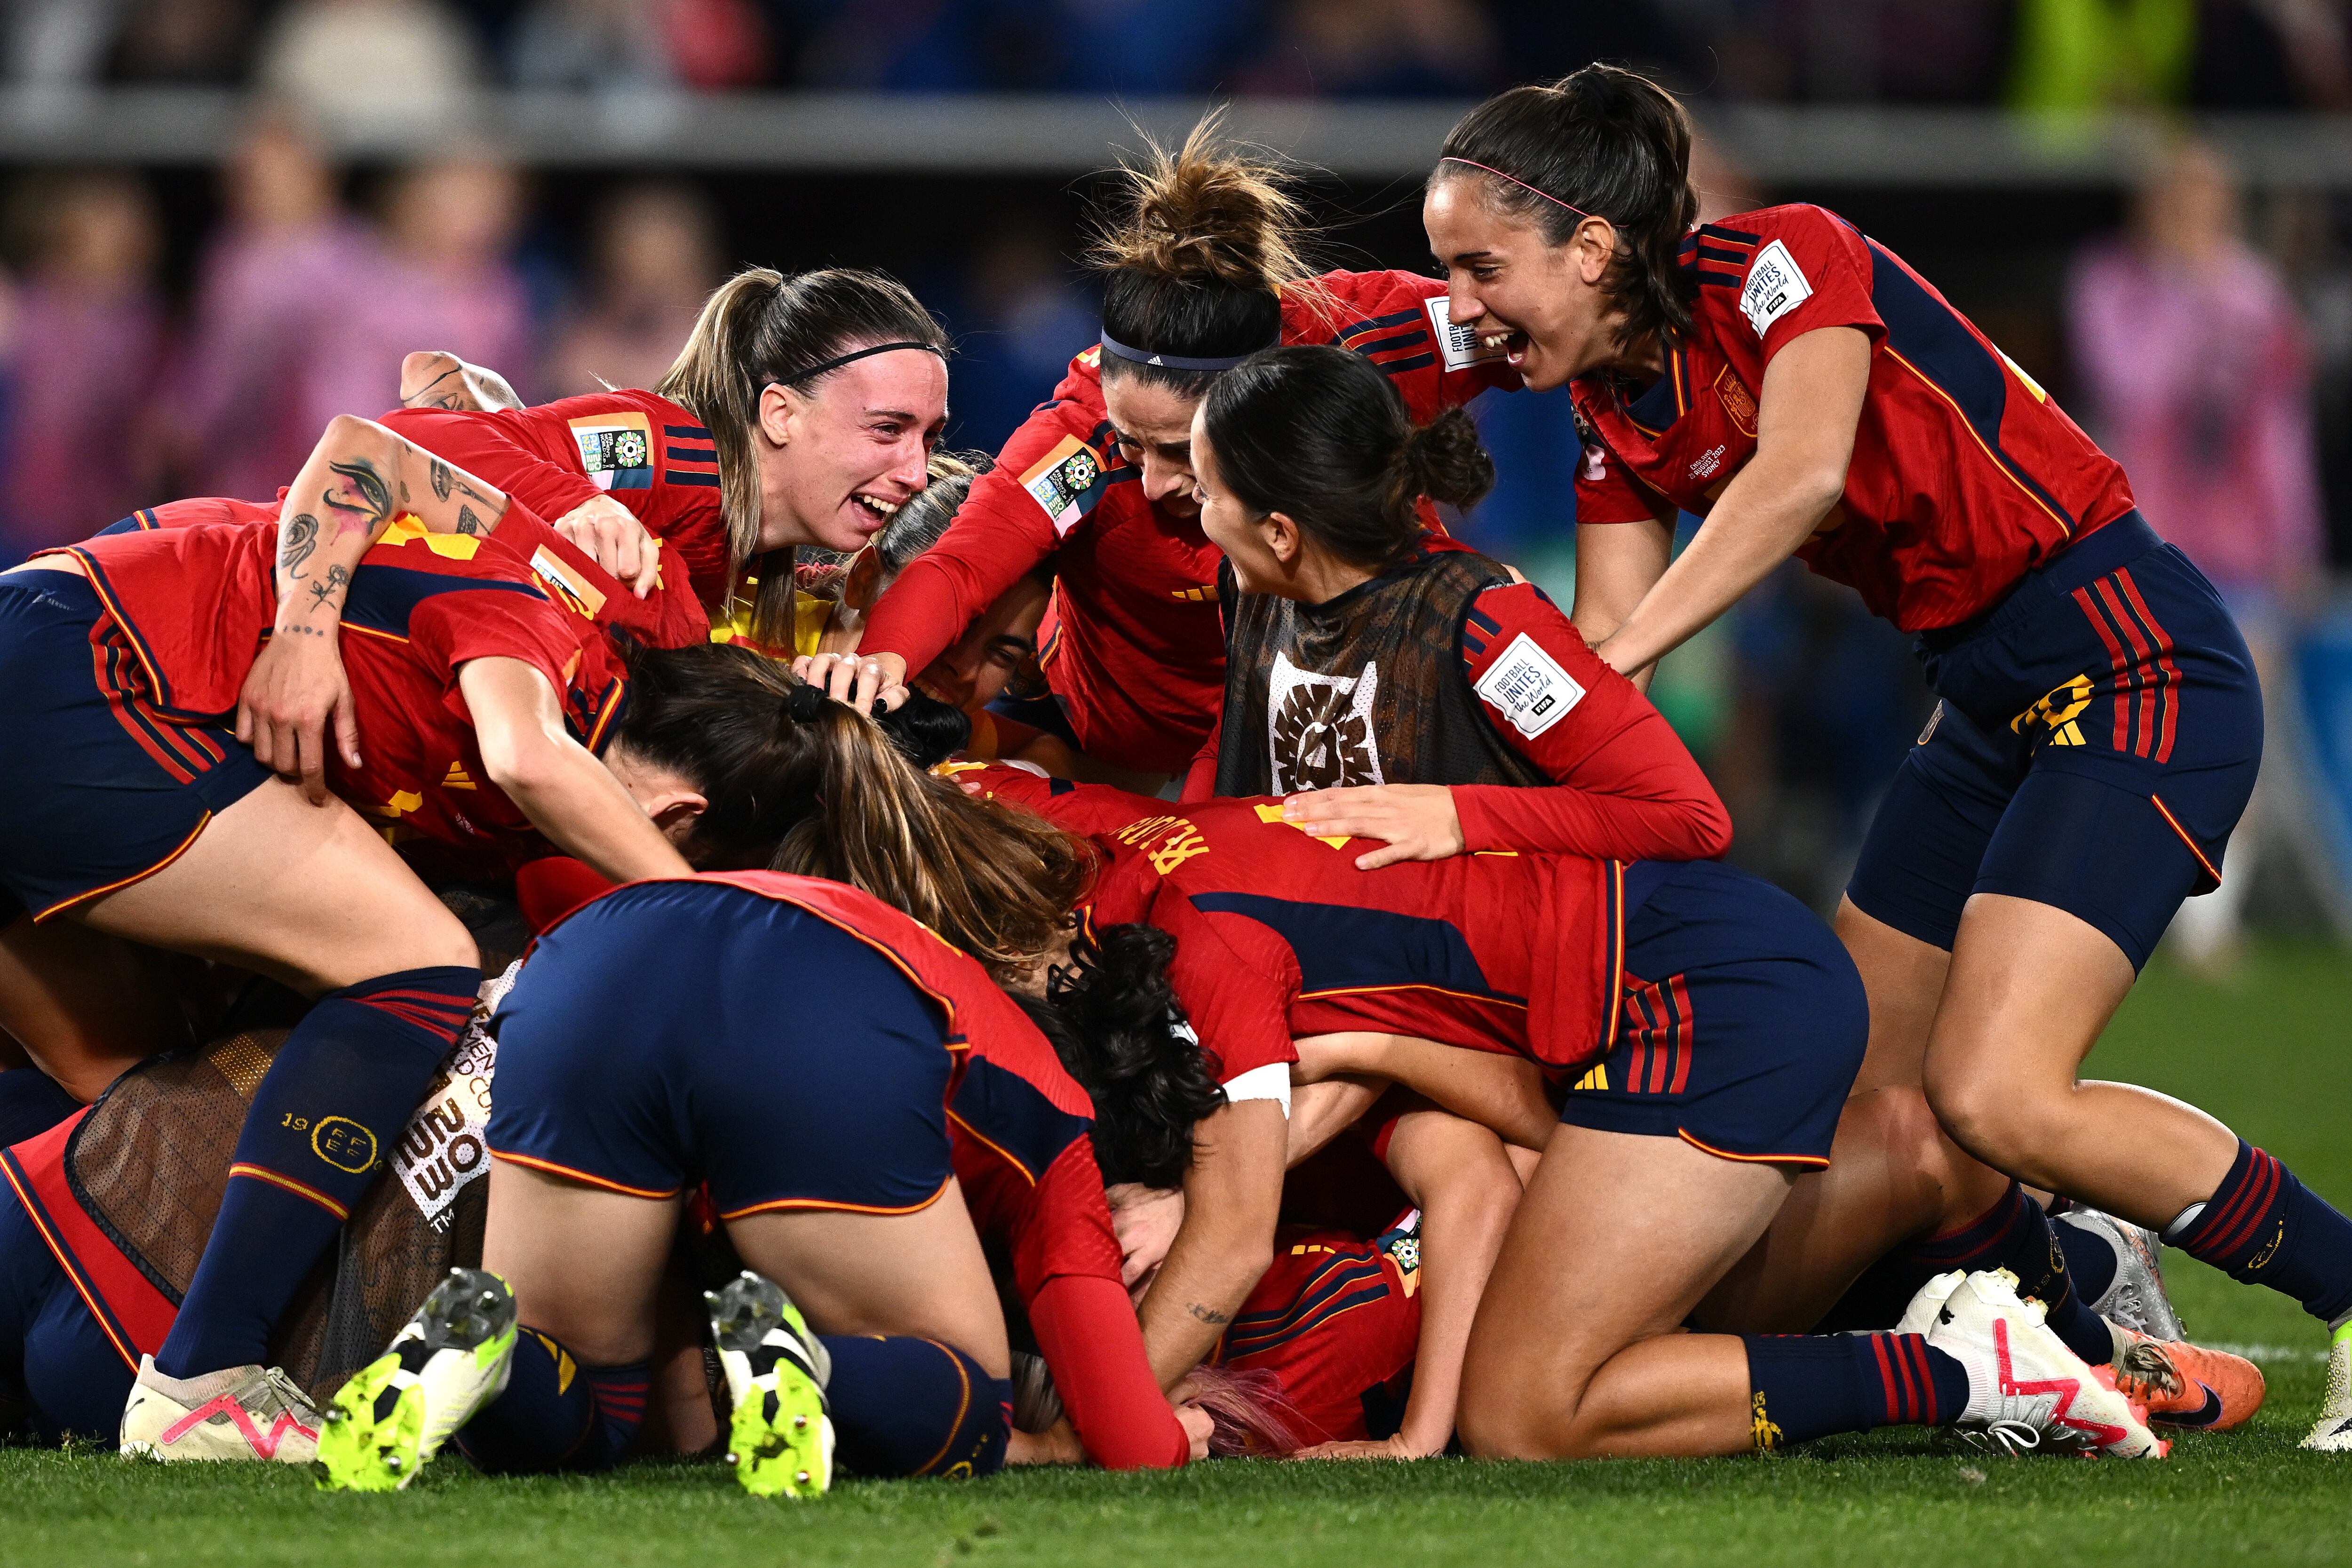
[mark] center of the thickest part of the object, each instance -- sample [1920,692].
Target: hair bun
[804,702]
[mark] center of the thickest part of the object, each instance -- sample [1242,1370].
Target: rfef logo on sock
[344,1143]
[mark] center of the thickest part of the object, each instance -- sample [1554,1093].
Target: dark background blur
[225,220]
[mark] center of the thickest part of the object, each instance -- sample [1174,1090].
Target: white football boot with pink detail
[244,1412]
[2026,1390]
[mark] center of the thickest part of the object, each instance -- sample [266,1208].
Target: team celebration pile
[693,920]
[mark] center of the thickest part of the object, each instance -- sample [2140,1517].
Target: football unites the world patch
[1461,346]
[1067,482]
[1527,686]
[1776,285]
[617,449]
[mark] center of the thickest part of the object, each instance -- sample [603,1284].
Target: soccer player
[802,411]
[1712,1027]
[2098,727]
[710,1026]
[1408,685]
[1199,269]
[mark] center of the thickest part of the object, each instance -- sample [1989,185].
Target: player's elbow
[522,761]
[1711,829]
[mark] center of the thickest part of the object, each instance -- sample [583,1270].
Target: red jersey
[1018,1129]
[1278,935]
[638,447]
[1965,474]
[1336,1319]
[1628,786]
[1138,654]
[196,596]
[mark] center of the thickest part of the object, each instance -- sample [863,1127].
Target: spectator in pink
[656,259]
[78,452]
[2198,366]
[287,252]
[441,278]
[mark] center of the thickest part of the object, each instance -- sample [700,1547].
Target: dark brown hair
[1196,257]
[1609,142]
[760,327]
[1317,433]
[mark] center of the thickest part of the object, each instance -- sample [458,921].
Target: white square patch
[1458,346]
[1530,687]
[1775,286]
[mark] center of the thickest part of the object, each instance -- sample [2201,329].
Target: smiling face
[1154,428]
[1541,302]
[1230,523]
[837,463]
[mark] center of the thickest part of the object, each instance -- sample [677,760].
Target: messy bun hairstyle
[1114,1021]
[1318,434]
[1195,260]
[1604,142]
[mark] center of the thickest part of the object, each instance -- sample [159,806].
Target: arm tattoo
[374,498]
[467,522]
[440,479]
[417,399]
[1206,1314]
[322,592]
[301,537]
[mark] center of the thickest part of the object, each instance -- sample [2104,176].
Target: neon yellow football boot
[451,1359]
[780,1439]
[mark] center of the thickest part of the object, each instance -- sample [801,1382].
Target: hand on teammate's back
[296,689]
[611,534]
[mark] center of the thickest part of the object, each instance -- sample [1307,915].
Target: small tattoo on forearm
[1206,1314]
[300,538]
[467,522]
[322,592]
[440,479]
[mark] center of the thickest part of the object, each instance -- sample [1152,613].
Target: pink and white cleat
[2026,1390]
[243,1413]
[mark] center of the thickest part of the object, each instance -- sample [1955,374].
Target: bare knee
[2000,1117]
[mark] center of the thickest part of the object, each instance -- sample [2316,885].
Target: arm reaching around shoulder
[358,480]
[1457,1174]
[1232,1198]
[558,782]
[1811,401]
[1503,1093]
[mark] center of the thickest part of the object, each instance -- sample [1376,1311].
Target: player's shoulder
[1760,225]
[619,400]
[1336,306]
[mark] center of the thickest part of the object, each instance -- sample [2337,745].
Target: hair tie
[1474,163]
[837,360]
[1117,350]
[804,702]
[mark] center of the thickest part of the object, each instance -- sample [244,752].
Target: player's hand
[1145,1220]
[864,682]
[295,692]
[1057,1445]
[1417,822]
[1378,1449]
[611,534]
[1197,1427]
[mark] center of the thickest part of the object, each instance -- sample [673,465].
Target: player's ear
[676,813]
[1282,536]
[781,411]
[865,576]
[1593,247]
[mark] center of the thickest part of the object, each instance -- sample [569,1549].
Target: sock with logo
[2015,1235]
[906,1406]
[556,1413]
[2263,1226]
[320,1131]
[2091,1258]
[1802,1387]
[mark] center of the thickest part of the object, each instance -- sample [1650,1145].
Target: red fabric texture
[553,886]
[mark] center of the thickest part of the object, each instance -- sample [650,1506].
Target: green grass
[2264,1051]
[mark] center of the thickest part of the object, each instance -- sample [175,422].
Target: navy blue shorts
[2095,743]
[674,1033]
[1742,1025]
[54,1356]
[102,789]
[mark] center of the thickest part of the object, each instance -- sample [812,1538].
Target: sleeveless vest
[126,1194]
[1366,688]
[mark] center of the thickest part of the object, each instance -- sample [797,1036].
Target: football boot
[2027,1391]
[780,1437]
[452,1358]
[242,1412]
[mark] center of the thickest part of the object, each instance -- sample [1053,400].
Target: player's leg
[84,1005]
[310,896]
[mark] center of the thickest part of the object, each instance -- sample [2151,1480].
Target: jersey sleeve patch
[1460,346]
[1527,687]
[1066,482]
[617,450]
[1776,285]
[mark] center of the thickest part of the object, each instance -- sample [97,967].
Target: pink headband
[1522,185]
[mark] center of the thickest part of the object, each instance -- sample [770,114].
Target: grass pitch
[2265,1052]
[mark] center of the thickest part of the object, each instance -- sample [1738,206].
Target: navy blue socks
[2090,1259]
[1803,1386]
[2015,1235]
[2262,1226]
[904,1407]
[323,1120]
[557,1414]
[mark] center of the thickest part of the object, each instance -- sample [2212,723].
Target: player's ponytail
[1318,434]
[760,328]
[1195,262]
[1603,143]
[997,884]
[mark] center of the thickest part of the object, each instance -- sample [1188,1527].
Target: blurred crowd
[2043,54]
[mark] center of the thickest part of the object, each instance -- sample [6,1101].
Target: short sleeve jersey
[638,447]
[1138,653]
[1965,474]
[197,601]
